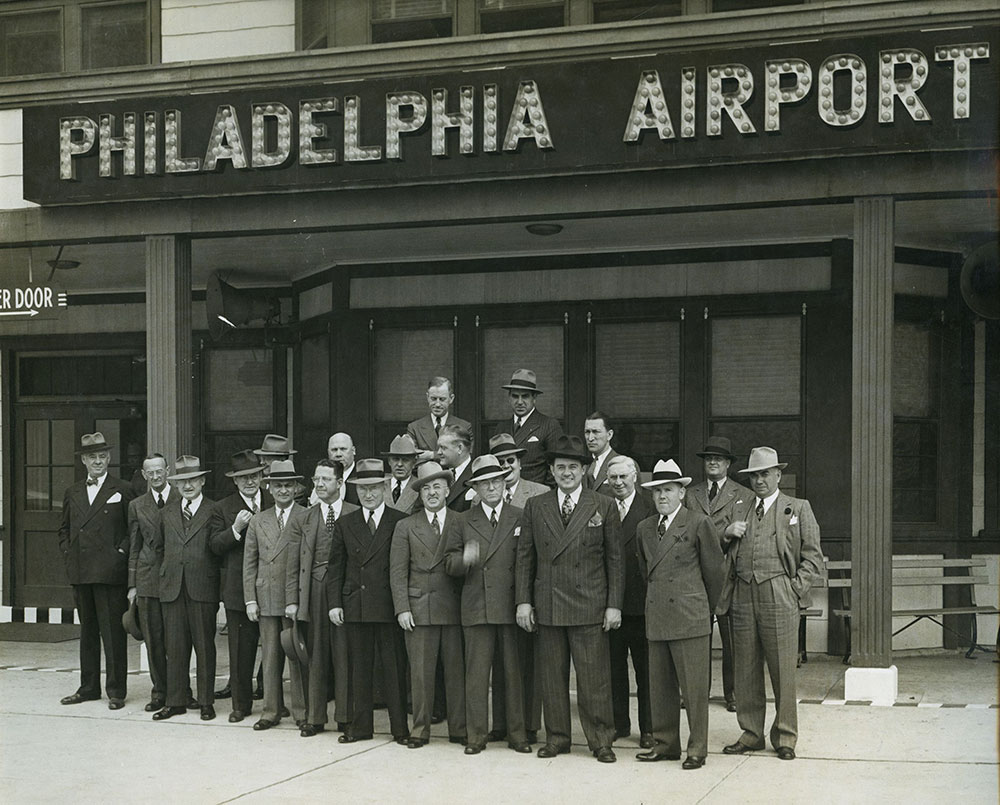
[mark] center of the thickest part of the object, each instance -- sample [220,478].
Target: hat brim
[683,481]
[260,452]
[583,459]
[779,466]
[517,387]
[130,621]
[368,481]
[273,477]
[97,448]
[237,473]
[418,483]
[488,476]
[510,451]
[706,453]
[402,455]
[294,646]
[186,475]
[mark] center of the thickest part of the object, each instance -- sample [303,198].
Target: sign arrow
[19,313]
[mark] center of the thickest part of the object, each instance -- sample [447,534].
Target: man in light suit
[144,571]
[425,431]
[484,552]
[680,558]
[597,433]
[428,603]
[531,429]
[454,452]
[570,582]
[311,536]
[94,540]
[634,505]
[718,497]
[402,457]
[775,557]
[265,560]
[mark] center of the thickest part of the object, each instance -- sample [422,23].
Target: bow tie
[92,482]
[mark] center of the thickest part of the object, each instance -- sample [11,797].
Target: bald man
[340,448]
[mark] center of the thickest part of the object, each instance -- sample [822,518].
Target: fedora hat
[666,472]
[486,467]
[187,467]
[283,470]
[403,445]
[717,446]
[764,458]
[431,471]
[275,445]
[523,380]
[92,443]
[294,644]
[130,620]
[244,463]
[368,471]
[566,446]
[503,444]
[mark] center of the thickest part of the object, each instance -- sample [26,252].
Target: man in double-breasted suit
[144,571]
[774,558]
[428,603]
[597,433]
[360,598]
[402,457]
[306,600]
[680,558]
[484,552]
[94,540]
[188,547]
[265,560]
[718,497]
[424,431]
[454,453]
[531,429]
[570,582]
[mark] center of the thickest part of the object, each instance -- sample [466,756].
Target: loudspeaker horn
[228,307]
[980,281]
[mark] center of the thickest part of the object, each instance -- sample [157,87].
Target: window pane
[316,380]
[626,10]
[112,435]
[638,369]
[62,477]
[539,348]
[521,19]
[914,371]
[914,471]
[31,43]
[240,390]
[755,366]
[404,361]
[114,35]
[64,442]
[783,436]
[743,5]
[647,442]
[36,442]
[410,9]
[408,30]
[315,23]
[36,489]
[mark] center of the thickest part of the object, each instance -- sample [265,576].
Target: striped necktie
[281,519]
[186,512]
[493,519]
[661,529]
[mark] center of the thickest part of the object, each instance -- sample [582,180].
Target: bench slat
[912,613]
[903,564]
[919,581]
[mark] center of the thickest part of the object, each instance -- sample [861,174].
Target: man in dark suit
[360,598]
[680,558]
[454,452]
[570,581]
[532,430]
[597,433]
[306,597]
[774,559]
[634,506]
[402,457]
[718,497]
[188,546]
[340,448]
[94,540]
[144,571]
[424,431]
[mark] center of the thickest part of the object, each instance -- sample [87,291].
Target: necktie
[661,529]
[330,520]
[159,501]
[91,482]
[396,489]
[713,490]
[567,509]
[493,519]
[760,510]
[622,510]
[436,525]
[281,519]
[517,423]
[437,426]
[507,496]
[254,508]
[372,525]
[186,511]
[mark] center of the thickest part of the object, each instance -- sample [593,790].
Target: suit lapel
[505,527]
[107,490]
[196,520]
[585,509]
[425,533]
[527,430]
[661,547]
[377,540]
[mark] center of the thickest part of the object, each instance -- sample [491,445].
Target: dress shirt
[489,512]
[574,496]
[440,514]
[769,500]
[376,513]
[251,503]
[162,494]
[598,462]
[94,489]
[627,503]
[194,505]
[667,519]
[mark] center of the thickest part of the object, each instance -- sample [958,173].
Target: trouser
[483,644]
[314,674]
[424,645]
[189,623]
[243,635]
[680,668]
[530,685]
[101,607]
[364,640]
[151,623]
[342,712]
[271,658]
[629,639]
[728,676]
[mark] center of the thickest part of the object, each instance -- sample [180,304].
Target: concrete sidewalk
[938,744]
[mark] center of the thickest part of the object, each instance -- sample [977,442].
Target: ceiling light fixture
[544,230]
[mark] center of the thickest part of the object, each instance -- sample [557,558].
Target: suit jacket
[349,492]
[525,490]
[571,574]
[797,536]
[189,556]
[488,591]
[409,499]
[599,484]
[536,436]
[459,499]
[308,563]
[143,525]
[634,602]
[232,548]
[94,538]
[722,510]
[684,575]
[422,430]
[265,559]
[357,578]
[417,575]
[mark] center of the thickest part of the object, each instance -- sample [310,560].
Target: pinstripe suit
[409,499]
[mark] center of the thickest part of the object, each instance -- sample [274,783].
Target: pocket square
[115,498]
[596,521]
[794,520]
[532,438]
[470,494]
[517,531]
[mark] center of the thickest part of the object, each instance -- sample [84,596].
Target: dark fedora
[244,463]
[569,447]
[503,444]
[92,443]
[294,644]
[717,446]
[523,380]
[130,620]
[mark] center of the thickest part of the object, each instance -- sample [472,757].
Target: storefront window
[498,16]
[627,10]
[31,42]
[404,20]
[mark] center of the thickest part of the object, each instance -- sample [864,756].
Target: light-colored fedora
[486,467]
[187,467]
[368,471]
[523,380]
[666,472]
[283,471]
[403,445]
[431,471]
[763,458]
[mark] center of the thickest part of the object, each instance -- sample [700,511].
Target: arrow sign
[28,313]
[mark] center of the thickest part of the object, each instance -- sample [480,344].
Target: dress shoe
[236,717]
[495,736]
[77,698]
[605,755]
[284,712]
[193,704]
[264,724]
[258,693]
[350,739]
[474,749]
[168,712]
[154,705]
[207,712]
[415,743]
[654,756]
[623,733]
[740,748]
[731,706]
[786,753]
[224,693]
[691,762]
[523,748]
[400,739]
[532,736]
[457,739]
[551,750]
[341,726]
[646,741]
[308,730]
[116,704]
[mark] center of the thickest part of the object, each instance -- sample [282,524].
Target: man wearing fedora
[144,571]
[237,509]
[424,431]
[531,429]
[570,582]
[265,559]
[597,433]
[188,546]
[402,457]
[680,558]
[94,540]
[774,559]
[360,598]
[484,551]
[454,452]
[718,497]
[306,597]
[428,603]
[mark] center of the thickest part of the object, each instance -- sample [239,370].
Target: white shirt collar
[440,513]
[574,496]
[461,467]
[769,500]
[163,493]
[377,514]
[251,502]
[669,517]
[489,512]
[627,503]
[194,504]
[336,505]
[524,418]
[720,483]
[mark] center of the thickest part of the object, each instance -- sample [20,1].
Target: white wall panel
[214,30]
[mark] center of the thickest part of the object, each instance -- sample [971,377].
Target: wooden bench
[839,577]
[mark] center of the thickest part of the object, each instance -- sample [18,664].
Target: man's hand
[526,617]
[337,616]
[253,612]
[291,611]
[736,529]
[470,555]
[406,620]
[132,593]
[612,619]
[242,519]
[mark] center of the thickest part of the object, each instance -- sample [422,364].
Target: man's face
[716,467]
[154,470]
[621,479]
[283,492]
[521,401]
[490,491]
[439,399]
[249,484]
[340,448]
[190,488]
[450,452]
[402,466]
[668,497]
[96,463]
[568,473]
[513,463]
[327,484]
[434,494]
[764,482]
[596,435]
[371,495]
